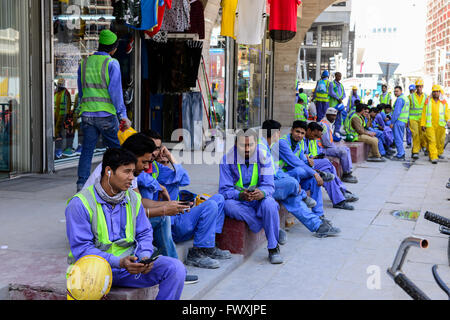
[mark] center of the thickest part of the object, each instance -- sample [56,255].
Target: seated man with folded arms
[289,191]
[246,182]
[337,191]
[357,128]
[107,219]
[332,150]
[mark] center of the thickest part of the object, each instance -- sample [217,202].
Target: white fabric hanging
[250,21]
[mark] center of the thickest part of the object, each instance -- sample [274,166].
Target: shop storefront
[168,83]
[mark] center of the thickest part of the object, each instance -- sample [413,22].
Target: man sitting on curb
[290,193]
[332,150]
[158,212]
[107,219]
[357,129]
[338,193]
[201,222]
[246,182]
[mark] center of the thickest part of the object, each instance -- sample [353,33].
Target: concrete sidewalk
[33,244]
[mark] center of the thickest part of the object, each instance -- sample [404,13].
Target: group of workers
[421,117]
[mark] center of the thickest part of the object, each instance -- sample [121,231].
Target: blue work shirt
[398,106]
[288,156]
[172,179]
[114,90]
[352,99]
[332,93]
[229,174]
[148,186]
[279,173]
[81,238]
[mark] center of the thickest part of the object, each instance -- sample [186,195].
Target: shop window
[76,28]
[14,88]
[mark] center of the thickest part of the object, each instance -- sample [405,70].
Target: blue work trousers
[167,272]
[322,108]
[201,222]
[258,215]
[162,236]
[287,191]
[335,188]
[399,133]
[92,127]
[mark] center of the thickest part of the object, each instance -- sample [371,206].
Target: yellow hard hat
[89,278]
[436,87]
[313,90]
[419,82]
[354,88]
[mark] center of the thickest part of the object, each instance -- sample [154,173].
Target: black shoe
[197,258]
[408,146]
[375,159]
[274,256]
[350,197]
[390,152]
[398,158]
[415,156]
[326,176]
[190,279]
[434,161]
[343,205]
[326,230]
[324,219]
[347,177]
[282,238]
[216,253]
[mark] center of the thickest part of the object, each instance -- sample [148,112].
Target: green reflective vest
[119,248]
[155,174]
[333,101]
[351,130]
[428,114]
[324,97]
[385,99]
[281,164]
[347,121]
[404,114]
[300,112]
[415,110]
[95,83]
[255,176]
[61,104]
[312,148]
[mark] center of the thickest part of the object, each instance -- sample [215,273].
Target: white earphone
[109,173]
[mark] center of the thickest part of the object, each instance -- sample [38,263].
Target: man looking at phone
[338,193]
[246,182]
[107,219]
[201,222]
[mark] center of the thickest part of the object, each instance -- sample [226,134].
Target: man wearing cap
[398,122]
[351,106]
[101,101]
[417,102]
[321,95]
[332,150]
[435,115]
[337,95]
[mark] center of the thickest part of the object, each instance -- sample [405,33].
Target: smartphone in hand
[149,260]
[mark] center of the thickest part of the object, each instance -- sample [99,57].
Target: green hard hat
[350,137]
[107,37]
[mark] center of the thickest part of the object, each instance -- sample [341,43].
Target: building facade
[437,42]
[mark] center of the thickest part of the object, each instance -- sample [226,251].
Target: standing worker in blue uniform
[337,95]
[321,95]
[107,219]
[247,183]
[399,120]
[101,101]
[290,193]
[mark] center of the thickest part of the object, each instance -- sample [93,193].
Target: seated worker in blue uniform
[246,182]
[201,222]
[289,192]
[337,191]
[107,219]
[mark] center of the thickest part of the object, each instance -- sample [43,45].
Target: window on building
[331,37]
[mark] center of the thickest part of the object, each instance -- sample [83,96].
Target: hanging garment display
[283,19]
[197,19]
[177,19]
[250,22]
[172,66]
[161,9]
[192,120]
[228,18]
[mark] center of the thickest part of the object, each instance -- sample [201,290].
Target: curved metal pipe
[403,251]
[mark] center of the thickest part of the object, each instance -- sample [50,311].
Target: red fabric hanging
[161,10]
[283,19]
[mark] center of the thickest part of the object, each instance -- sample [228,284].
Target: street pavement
[33,243]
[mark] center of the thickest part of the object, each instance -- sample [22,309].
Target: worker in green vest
[101,101]
[399,120]
[385,97]
[301,112]
[62,109]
